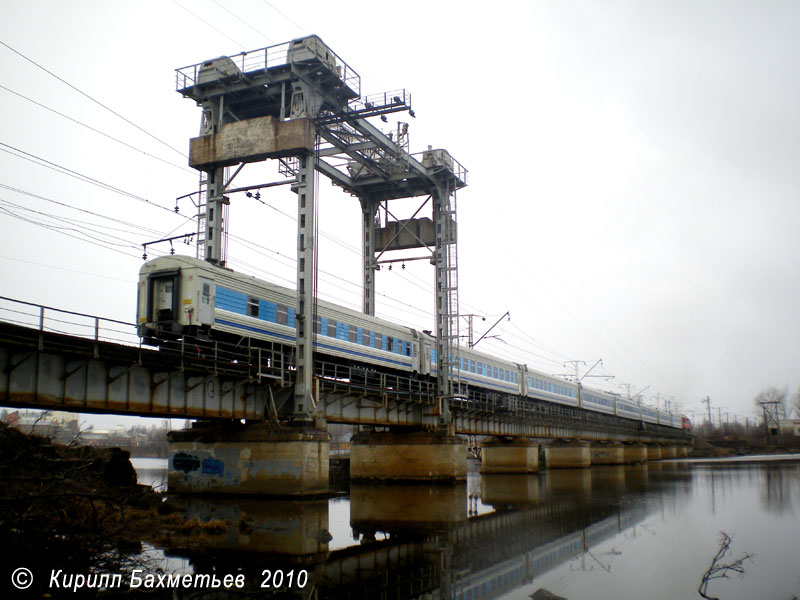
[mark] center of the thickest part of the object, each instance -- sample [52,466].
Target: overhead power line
[80,176]
[84,94]
[103,133]
[148,230]
[199,18]
[238,18]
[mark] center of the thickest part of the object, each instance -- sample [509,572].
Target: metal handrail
[261,59]
[99,333]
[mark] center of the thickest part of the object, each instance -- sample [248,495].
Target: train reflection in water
[424,541]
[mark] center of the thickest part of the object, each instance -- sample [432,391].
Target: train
[182,296]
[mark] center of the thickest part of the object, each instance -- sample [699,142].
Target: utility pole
[707,400]
[579,378]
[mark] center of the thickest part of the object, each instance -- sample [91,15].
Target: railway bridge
[245,439]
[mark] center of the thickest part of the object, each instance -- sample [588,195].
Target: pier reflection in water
[606,532]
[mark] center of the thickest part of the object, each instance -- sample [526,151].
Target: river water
[648,531]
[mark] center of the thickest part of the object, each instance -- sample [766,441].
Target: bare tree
[771,395]
[795,406]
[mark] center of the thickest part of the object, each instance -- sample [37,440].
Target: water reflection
[403,509]
[559,530]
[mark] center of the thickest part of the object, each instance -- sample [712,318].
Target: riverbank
[723,448]
[80,509]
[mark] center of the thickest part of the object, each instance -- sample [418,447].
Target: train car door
[205,307]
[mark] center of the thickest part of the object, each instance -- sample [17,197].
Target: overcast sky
[633,171]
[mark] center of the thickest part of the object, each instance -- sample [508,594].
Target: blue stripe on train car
[283,336]
[231,301]
[268,311]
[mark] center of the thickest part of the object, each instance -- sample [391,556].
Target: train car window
[282,314]
[331,328]
[252,306]
[365,337]
[317,324]
[408,349]
[352,333]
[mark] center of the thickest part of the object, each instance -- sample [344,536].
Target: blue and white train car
[598,401]
[183,296]
[180,295]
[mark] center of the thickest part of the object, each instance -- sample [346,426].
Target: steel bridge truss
[216,380]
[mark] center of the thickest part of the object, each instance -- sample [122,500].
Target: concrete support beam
[408,456]
[653,452]
[251,140]
[509,456]
[634,453]
[607,454]
[568,455]
[248,460]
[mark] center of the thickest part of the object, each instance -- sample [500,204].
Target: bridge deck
[44,369]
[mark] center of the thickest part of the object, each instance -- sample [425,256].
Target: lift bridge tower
[301,104]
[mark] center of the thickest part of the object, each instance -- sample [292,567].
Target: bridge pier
[653,451]
[407,456]
[607,453]
[669,452]
[519,455]
[634,453]
[570,454]
[250,459]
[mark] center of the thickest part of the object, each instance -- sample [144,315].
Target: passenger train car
[183,296]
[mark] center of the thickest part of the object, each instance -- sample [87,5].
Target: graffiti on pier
[212,466]
[185,462]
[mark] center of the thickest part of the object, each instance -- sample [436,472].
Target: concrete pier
[573,454]
[669,452]
[519,455]
[248,460]
[653,452]
[607,453]
[408,456]
[634,453]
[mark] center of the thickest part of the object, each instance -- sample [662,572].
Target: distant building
[790,427]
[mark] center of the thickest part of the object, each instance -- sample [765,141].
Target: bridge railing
[57,320]
[337,378]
